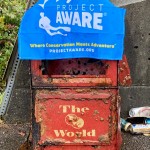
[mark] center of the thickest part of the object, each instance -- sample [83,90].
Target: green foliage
[11,12]
[1,97]
[10,16]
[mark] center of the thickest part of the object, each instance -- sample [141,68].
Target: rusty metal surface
[74,72]
[124,72]
[82,110]
[77,117]
[92,147]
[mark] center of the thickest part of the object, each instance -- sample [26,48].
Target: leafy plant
[10,15]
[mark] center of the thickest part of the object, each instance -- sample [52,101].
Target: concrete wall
[137,50]
[125,2]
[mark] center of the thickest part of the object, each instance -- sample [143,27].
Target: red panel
[77,116]
[74,72]
[110,147]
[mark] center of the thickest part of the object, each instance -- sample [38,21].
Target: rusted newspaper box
[75,90]
[76,104]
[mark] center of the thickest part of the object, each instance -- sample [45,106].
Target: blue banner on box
[59,29]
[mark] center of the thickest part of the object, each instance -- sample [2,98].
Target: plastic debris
[140,129]
[140,112]
[138,120]
[136,125]
[135,128]
[125,125]
[147,121]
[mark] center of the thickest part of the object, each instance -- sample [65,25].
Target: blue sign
[59,29]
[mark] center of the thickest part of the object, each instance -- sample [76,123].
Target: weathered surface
[135,142]
[133,97]
[23,76]
[137,49]
[72,72]
[87,116]
[125,2]
[137,42]
[19,108]
[15,128]
[12,136]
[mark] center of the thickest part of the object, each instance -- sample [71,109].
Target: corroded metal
[124,72]
[77,147]
[77,104]
[76,116]
[74,72]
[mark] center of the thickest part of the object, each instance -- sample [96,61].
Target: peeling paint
[126,2]
[74,105]
[104,138]
[61,73]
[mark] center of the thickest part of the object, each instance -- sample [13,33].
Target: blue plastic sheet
[59,29]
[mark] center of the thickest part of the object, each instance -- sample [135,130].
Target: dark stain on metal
[96,146]
[104,138]
[75,72]
[96,112]
[78,135]
[105,101]
[50,80]
[55,142]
